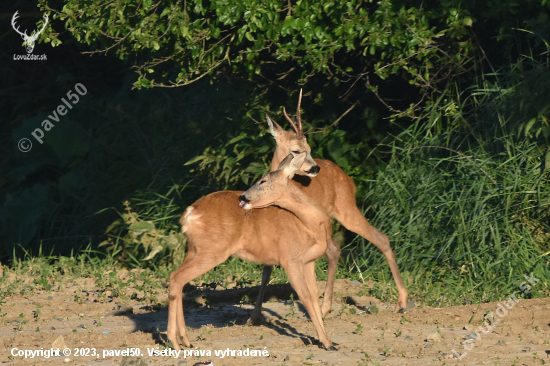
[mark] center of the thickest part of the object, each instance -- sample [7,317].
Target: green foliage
[246,157]
[459,182]
[357,159]
[526,102]
[464,195]
[194,38]
[464,198]
[243,158]
[139,237]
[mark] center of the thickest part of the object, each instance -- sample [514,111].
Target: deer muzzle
[313,171]
[243,202]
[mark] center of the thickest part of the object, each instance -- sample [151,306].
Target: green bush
[465,197]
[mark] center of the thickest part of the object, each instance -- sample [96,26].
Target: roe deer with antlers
[334,190]
[293,237]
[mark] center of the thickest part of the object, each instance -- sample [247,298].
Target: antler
[13,19]
[292,123]
[297,123]
[299,114]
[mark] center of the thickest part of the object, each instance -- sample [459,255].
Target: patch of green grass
[464,200]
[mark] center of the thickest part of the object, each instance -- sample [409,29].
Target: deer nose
[314,169]
[243,200]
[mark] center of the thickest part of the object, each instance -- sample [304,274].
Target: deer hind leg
[353,220]
[333,255]
[256,313]
[296,275]
[194,265]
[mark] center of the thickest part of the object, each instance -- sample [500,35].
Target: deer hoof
[331,348]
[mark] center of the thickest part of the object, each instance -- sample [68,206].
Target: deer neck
[308,210]
[278,156]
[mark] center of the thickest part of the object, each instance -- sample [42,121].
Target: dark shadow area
[302,179]
[287,330]
[220,308]
[235,295]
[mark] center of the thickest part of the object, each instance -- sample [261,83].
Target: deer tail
[185,217]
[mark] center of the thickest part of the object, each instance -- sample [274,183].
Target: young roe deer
[216,228]
[335,191]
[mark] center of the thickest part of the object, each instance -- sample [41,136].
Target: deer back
[268,235]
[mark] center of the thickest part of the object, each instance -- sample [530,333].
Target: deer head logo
[29,40]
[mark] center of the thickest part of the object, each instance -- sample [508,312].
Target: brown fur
[335,191]
[216,228]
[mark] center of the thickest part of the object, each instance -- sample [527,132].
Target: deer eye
[296,152]
[262,182]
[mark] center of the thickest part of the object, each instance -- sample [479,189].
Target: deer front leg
[295,271]
[311,282]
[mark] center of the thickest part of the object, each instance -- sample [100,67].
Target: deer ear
[274,128]
[286,162]
[295,164]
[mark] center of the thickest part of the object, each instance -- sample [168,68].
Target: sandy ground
[100,332]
